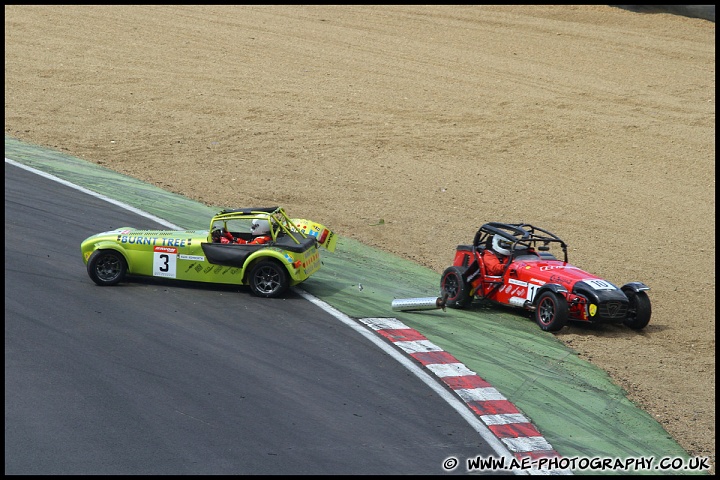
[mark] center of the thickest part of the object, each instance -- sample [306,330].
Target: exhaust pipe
[426,303]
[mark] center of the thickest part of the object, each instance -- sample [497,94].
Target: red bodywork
[524,276]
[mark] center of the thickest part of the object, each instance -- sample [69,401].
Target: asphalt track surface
[158,378]
[79,400]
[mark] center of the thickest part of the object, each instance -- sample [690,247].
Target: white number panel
[598,284]
[165,262]
[531,291]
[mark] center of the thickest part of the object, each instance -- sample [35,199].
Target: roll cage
[522,236]
[280,223]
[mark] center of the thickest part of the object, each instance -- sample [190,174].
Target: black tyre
[639,310]
[269,279]
[106,267]
[552,311]
[455,287]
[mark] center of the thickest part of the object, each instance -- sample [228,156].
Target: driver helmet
[217,232]
[501,245]
[260,227]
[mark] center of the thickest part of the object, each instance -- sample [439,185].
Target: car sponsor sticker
[559,279]
[557,267]
[199,258]
[324,237]
[143,240]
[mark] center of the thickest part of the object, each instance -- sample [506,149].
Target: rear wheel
[552,311]
[268,279]
[106,267]
[639,310]
[455,287]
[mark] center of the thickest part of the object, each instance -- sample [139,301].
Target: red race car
[533,273]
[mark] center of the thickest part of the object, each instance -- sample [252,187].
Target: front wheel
[455,287]
[106,267]
[639,310]
[552,311]
[268,279]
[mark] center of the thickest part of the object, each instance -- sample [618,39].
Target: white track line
[499,447]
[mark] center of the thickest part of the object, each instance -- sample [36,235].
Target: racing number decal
[599,284]
[165,262]
[531,291]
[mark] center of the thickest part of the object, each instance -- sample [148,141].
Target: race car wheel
[639,310]
[552,311]
[268,279]
[455,287]
[106,267]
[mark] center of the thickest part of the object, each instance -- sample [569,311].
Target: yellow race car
[259,247]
